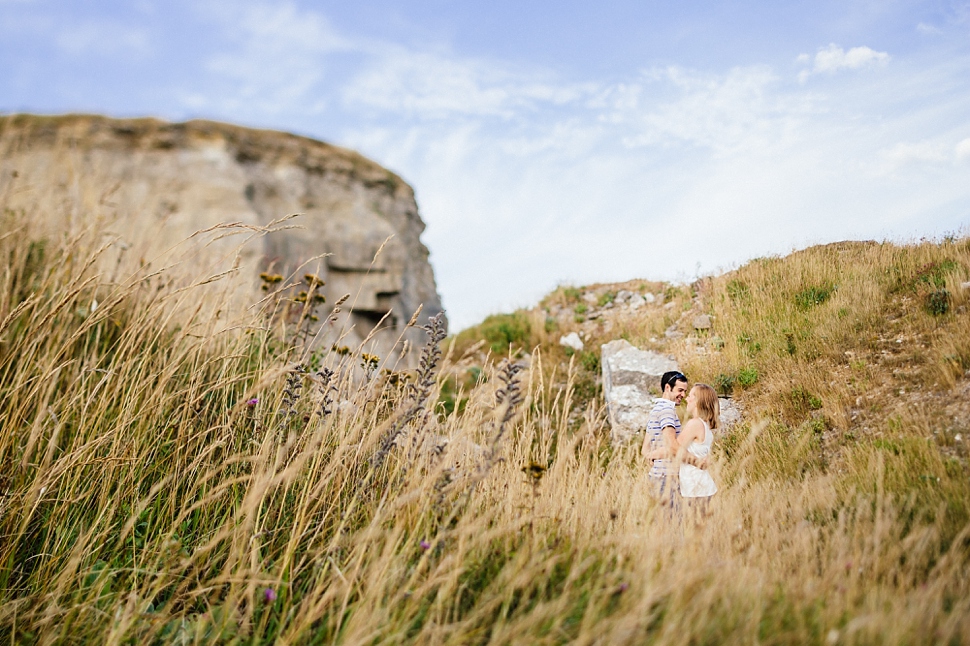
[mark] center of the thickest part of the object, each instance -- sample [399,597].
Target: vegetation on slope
[168,478]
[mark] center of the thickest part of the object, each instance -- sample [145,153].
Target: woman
[703,411]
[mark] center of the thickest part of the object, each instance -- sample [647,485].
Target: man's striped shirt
[662,414]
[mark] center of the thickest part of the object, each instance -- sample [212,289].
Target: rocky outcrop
[631,379]
[154,184]
[631,384]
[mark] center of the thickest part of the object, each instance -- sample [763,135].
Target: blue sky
[559,142]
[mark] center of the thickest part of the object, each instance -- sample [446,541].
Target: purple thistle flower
[624,586]
[269,594]
[252,402]
[425,545]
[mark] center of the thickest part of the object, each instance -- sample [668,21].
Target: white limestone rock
[730,413]
[630,376]
[573,341]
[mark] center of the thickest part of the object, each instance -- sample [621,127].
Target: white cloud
[833,58]
[919,153]
[962,150]
[712,167]
[543,179]
[928,152]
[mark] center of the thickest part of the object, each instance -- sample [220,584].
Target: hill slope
[166,479]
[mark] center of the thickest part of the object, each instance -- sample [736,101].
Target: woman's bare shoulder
[693,427]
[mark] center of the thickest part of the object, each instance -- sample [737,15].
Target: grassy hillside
[170,477]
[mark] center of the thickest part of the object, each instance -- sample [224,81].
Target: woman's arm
[690,432]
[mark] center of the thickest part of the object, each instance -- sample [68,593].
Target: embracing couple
[668,445]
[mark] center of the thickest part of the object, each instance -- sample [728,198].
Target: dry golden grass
[147,498]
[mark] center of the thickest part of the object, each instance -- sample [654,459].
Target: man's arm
[669,434]
[645,448]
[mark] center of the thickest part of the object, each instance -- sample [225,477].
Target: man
[660,441]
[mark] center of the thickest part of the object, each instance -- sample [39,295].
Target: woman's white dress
[694,482]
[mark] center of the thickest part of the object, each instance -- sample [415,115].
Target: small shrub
[934,274]
[581,308]
[606,298]
[938,302]
[737,290]
[551,325]
[749,345]
[790,344]
[930,276]
[590,361]
[803,401]
[724,383]
[812,296]
[503,330]
[747,377]
[571,294]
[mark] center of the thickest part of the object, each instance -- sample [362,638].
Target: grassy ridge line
[146,499]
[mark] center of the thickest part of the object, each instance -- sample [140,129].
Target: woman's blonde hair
[708,407]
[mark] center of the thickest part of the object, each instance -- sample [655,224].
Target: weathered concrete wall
[154,184]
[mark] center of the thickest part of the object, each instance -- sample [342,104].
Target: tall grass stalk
[154,489]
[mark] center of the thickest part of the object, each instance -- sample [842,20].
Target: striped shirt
[662,414]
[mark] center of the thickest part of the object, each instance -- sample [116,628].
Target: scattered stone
[590,298]
[730,413]
[608,306]
[630,375]
[623,295]
[965,285]
[669,305]
[649,298]
[673,333]
[573,341]
[636,301]
[702,322]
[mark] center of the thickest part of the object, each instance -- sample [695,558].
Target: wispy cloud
[831,59]
[543,174]
[275,59]
[744,108]
[962,150]
[437,85]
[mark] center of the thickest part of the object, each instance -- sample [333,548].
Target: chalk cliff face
[154,184]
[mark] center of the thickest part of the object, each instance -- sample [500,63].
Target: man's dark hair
[671,378]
